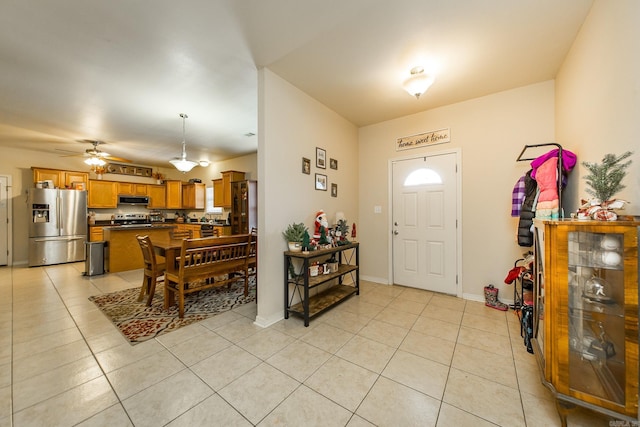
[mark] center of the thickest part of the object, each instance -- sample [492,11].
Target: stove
[131,219]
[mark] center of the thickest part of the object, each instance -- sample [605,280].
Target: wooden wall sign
[423,139]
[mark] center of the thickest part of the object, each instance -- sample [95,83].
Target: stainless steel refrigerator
[57,226]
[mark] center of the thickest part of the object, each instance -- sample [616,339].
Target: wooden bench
[206,263]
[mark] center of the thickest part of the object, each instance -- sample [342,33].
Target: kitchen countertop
[136,227]
[107,223]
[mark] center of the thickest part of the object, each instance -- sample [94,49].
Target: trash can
[94,264]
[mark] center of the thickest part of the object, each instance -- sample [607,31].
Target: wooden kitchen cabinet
[195,228]
[102,194]
[586,314]
[218,193]
[60,178]
[96,234]
[157,196]
[132,189]
[193,196]
[174,194]
[222,188]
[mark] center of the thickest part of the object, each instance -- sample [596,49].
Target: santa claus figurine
[321,221]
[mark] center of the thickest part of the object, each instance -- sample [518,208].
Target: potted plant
[605,179]
[294,235]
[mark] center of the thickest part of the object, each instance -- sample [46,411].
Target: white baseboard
[375,279]
[265,322]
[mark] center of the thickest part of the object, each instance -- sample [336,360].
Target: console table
[297,277]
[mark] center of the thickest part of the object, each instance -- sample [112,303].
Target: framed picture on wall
[321,158]
[333,164]
[306,166]
[321,182]
[334,190]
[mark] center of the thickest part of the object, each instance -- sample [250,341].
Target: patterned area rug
[139,323]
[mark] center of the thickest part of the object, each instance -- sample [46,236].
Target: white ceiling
[122,71]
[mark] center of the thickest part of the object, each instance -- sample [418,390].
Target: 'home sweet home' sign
[423,139]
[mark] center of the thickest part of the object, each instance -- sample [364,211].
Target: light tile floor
[392,356]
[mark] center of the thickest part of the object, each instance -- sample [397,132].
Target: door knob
[395,232]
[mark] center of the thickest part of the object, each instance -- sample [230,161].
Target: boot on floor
[491,299]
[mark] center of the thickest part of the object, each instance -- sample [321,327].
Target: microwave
[133,200]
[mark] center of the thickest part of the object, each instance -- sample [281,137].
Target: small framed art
[334,190]
[306,166]
[333,164]
[321,158]
[321,182]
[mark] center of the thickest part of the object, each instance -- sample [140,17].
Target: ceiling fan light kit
[182,164]
[418,82]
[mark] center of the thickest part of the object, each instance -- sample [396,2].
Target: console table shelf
[302,282]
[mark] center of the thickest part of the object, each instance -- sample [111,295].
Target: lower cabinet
[302,277]
[96,234]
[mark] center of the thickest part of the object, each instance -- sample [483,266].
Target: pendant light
[182,164]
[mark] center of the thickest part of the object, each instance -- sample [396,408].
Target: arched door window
[422,176]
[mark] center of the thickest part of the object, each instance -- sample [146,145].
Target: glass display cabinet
[586,314]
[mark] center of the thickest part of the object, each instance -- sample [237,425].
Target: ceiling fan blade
[116,159]
[69,153]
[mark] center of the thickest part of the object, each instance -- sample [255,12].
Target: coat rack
[560,169]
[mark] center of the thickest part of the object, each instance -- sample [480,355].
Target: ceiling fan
[96,157]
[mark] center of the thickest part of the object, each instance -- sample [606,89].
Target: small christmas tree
[323,236]
[605,179]
[306,241]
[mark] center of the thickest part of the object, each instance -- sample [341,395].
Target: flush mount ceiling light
[204,163]
[182,164]
[418,83]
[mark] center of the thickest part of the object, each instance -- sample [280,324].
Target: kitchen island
[122,250]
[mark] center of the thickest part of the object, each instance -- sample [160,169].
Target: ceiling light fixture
[204,163]
[182,164]
[418,83]
[95,161]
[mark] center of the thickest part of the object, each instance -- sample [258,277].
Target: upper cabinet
[174,194]
[222,188]
[193,196]
[132,189]
[60,178]
[157,196]
[102,194]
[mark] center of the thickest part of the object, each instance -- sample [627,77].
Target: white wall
[290,126]
[490,131]
[598,95]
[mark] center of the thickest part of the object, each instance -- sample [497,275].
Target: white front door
[424,222]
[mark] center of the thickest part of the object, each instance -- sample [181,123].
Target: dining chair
[153,270]
[180,234]
[209,232]
[253,257]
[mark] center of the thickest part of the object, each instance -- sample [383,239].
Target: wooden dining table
[168,248]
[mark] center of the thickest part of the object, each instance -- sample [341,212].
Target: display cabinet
[244,207]
[586,314]
[299,281]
